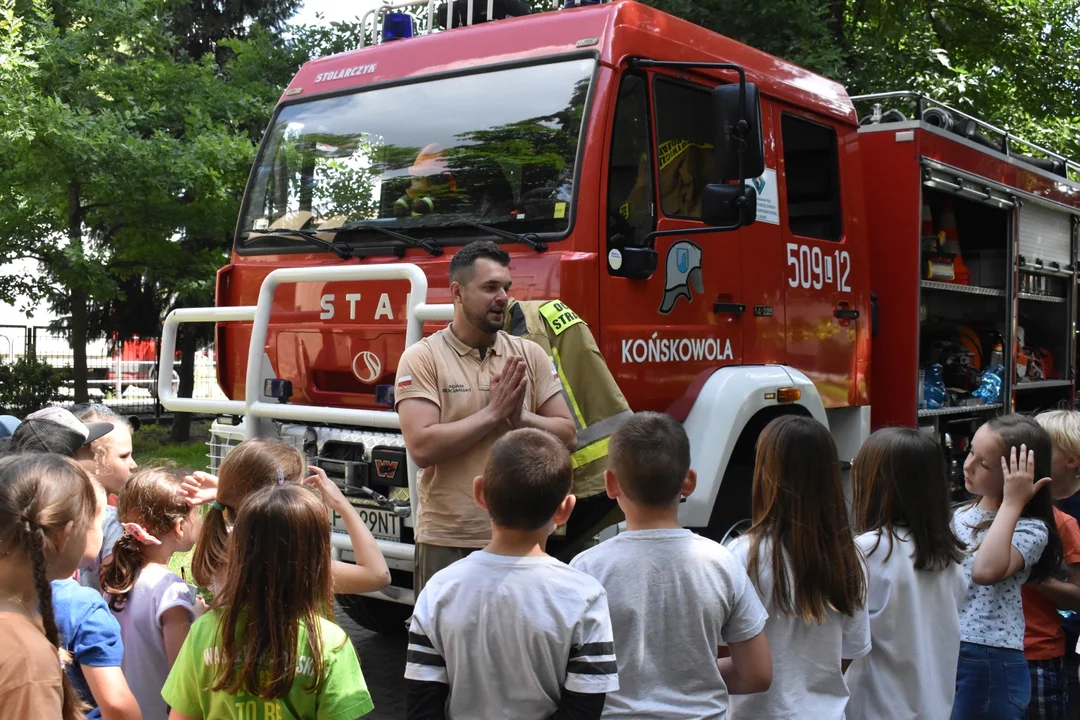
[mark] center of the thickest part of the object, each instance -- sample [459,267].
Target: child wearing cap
[510,626]
[56,430]
[109,459]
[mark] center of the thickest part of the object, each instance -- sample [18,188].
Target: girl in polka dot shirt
[1011,539]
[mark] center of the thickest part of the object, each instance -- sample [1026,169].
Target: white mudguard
[726,403]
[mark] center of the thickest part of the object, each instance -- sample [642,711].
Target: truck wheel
[732,505]
[378,616]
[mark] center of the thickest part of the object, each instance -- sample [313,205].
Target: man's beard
[483,322]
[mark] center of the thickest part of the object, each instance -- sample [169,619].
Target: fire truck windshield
[495,147]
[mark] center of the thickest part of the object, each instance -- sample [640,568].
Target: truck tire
[733,502]
[379,616]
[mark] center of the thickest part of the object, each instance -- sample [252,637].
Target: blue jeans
[991,684]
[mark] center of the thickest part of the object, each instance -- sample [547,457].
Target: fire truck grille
[354,442]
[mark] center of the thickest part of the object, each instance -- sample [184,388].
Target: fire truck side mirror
[737,133]
[724,207]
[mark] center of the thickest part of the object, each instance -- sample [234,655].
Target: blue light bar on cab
[397,26]
[580,3]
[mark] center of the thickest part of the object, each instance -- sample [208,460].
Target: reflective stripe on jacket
[594,398]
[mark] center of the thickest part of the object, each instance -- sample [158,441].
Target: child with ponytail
[256,464]
[47,505]
[268,648]
[155,608]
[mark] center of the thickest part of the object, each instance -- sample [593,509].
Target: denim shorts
[991,684]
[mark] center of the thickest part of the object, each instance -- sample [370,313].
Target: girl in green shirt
[267,649]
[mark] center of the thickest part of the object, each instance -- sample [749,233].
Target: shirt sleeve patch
[559,317]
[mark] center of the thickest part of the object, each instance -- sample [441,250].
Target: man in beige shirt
[460,390]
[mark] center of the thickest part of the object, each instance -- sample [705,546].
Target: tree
[122,167]
[1015,63]
[204,24]
[109,148]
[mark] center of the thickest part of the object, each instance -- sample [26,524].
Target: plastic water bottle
[989,389]
[934,392]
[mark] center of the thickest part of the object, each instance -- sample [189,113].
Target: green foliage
[150,446]
[28,384]
[1014,63]
[127,130]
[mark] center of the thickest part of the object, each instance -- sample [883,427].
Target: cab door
[661,332]
[822,306]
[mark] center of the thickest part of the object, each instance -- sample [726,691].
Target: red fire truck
[874,261]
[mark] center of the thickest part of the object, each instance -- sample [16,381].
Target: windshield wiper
[424,243]
[340,249]
[530,239]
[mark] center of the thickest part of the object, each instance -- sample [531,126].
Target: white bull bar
[417,312]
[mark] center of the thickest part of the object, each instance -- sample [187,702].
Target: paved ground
[383,662]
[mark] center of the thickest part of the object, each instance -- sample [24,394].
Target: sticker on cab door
[681,270]
[768,203]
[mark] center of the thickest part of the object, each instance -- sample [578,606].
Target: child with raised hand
[668,660]
[509,631]
[1010,538]
[900,503]
[267,648]
[801,556]
[253,465]
[1063,427]
[155,607]
[91,636]
[47,505]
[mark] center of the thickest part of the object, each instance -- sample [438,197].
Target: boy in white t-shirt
[674,596]
[509,629]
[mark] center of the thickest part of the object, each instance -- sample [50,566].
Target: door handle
[735,309]
[845,313]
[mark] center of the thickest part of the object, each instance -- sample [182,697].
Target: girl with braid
[154,606]
[47,504]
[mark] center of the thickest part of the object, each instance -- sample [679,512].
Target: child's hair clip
[280,476]
[140,534]
[215,505]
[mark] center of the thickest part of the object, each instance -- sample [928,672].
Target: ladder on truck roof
[928,110]
[375,15]
[252,407]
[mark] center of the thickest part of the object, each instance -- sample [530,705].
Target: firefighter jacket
[595,400]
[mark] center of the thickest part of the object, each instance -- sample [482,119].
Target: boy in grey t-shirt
[674,596]
[510,631]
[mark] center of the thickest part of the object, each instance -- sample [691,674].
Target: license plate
[382,524]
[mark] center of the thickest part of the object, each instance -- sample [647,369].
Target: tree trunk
[181,425]
[838,11]
[79,309]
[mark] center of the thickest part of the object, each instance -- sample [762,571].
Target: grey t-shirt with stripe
[514,632]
